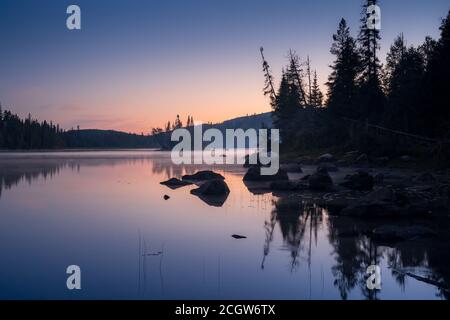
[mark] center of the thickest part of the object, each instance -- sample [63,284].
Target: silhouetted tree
[437,93]
[341,83]
[405,72]
[370,94]
[316,98]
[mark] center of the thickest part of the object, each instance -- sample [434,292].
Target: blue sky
[136,64]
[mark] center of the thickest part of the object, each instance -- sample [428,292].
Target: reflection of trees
[12,173]
[297,219]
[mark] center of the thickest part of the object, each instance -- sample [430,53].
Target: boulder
[203,176]
[166,197]
[212,188]
[175,183]
[254,174]
[399,233]
[320,181]
[213,193]
[239,237]
[326,158]
[362,181]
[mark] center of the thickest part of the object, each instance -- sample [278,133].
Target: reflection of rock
[203,176]
[397,233]
[320,181]
[362,181]
[175,183]
[387,202]
[254,174]
[214,192]
[258,187]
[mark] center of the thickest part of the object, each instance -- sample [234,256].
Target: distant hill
[256,121]
[93,138]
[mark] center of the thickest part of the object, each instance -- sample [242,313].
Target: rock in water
[320,181]
[254,174]
[213,193]
[175,183]
[236,236]
[166,197]
[362,181]
[212,188]
[203,176]
[326,158]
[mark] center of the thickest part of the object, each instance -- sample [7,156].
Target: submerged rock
[175,183]
[203,176]
[320,181]
[398,233]
[362,181]
[254,174]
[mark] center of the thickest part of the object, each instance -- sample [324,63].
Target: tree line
[29,133]
[176,124]
[409,93]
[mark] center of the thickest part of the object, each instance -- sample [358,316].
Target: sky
[136,64]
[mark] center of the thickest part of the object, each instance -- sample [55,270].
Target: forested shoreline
[409,93]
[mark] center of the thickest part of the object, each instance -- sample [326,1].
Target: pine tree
[371,97]
[437,85]
[316,98]
[342,86]
[405,70]
[168,126]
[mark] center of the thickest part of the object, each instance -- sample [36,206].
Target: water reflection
[181,241]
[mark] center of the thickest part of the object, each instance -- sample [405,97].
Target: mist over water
[105,212]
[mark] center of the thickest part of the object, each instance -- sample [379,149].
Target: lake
[104,211]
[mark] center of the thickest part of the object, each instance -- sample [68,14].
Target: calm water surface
[105,212]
